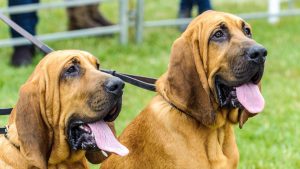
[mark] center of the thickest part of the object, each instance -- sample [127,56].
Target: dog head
[64,108]
[215,70]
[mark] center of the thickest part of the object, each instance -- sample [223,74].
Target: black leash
[139,81]
[5,111]
[46,49]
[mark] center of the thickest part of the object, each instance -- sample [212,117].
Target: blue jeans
[187,5]
[28,21]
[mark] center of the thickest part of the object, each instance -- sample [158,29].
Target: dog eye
[72,71]
[247,31]
[219,34]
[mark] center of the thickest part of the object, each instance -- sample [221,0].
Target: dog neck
[75,159]
[11,156]
[223,115]
[217,143]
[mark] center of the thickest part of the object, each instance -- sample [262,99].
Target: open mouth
[244,94]
[96,134]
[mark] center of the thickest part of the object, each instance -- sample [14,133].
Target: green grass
[270,140]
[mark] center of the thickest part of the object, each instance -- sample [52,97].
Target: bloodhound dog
[61,114]
[211,83]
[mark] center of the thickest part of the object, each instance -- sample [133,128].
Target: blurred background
[137,39]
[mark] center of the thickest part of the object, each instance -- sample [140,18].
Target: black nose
[114,85]
[257,54]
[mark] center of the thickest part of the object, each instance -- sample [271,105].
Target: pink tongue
[250,97]
[106,140]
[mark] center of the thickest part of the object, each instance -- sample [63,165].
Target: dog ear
[96,157]
[32,131]
[182,86]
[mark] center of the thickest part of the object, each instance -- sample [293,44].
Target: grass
[270,140]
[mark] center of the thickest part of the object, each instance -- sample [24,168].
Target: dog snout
[257,54]
[114,86]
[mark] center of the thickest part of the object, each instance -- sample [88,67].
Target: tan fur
[184,127]
[161,137]
[36,137]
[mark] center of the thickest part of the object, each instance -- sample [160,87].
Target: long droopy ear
[182,86]
[32,131]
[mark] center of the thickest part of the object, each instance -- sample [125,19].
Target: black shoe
[22,55]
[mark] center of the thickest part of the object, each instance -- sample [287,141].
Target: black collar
[173,105]
[6,136]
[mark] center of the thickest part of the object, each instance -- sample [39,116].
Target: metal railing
[140,23]
[121,27]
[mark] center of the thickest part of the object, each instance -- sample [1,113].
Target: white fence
[121,27]
[273,15]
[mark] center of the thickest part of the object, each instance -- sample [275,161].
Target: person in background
[186,6]
[88,16]
[22,55]
[80,17]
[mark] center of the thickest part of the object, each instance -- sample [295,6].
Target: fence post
[291,4]
[139,22]
[274,10]
[123,8]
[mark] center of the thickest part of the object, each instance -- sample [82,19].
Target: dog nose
[114,85]
[257,54]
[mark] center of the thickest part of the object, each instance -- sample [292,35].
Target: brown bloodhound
[60,117]
[211,83]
